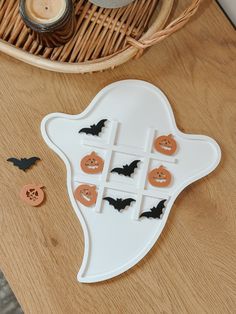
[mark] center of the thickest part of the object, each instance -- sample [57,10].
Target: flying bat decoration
[24,163]
[94,129]
[127,170]
[156,211]
[119,203]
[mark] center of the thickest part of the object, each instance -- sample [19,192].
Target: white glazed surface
[114,242]
[111,3]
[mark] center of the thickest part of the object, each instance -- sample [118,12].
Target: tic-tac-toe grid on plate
[146,156]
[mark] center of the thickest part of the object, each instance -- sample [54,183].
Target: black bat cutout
[94,129]
[119,203]
[155,212]
[127,170]
[23,163]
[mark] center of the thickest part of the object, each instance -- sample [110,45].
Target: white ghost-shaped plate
[136,113]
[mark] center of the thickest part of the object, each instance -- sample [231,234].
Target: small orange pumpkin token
[86,194]
[165,144]
[32,194]
[159,177]
[92,163]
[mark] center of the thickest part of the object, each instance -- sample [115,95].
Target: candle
[51,22]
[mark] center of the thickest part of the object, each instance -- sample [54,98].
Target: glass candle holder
[50,22]
[111,3]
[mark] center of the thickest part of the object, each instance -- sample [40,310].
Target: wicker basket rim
[153,35]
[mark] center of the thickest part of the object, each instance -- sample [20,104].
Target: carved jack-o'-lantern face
[159,177]
[86,194]
[92,163]
[32,194]
[165,144]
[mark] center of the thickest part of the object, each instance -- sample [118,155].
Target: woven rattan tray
[104,38]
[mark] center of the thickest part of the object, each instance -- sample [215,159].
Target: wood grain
[192,268]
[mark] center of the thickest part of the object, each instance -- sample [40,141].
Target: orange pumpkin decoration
[159,177]
[86,194]
[165,144]
[92,164]
[32,194]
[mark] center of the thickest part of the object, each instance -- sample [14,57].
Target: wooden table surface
[192,268]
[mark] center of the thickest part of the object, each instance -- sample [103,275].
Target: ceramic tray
[136,114]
